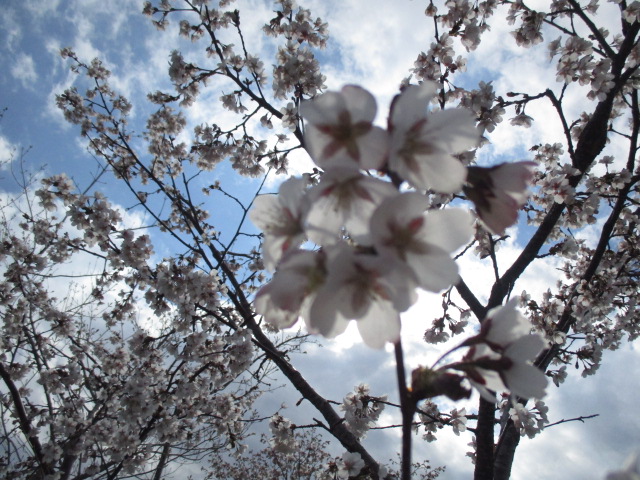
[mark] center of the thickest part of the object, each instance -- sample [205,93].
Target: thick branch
[472,302]
[484,441]
[336,426]
[408,409]
[23,418]
[166,448]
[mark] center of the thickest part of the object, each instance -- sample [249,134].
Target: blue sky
[32,33]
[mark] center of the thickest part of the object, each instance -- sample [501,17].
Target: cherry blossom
[297,68]
[351,465]
[282,440]
[423,240]
[528,421]
[430,419]
[281,217]
[344,199]
[632,12]
[367,288]
[512,370]
[458,420]
[422,144]
[289,117]
[500,355]
[499,192]
[362,410]
[522,120]
[481,103]
[503,325]
[340,129]
[281,301]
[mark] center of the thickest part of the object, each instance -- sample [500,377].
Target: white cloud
[361,50]
[24,70]
[42,9]
[587,450]
[11,28]
[7,152]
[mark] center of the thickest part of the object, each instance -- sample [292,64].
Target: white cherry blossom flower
[521,120]
[362,410]
[281,219]
[422,145]
[344,198]
[512,370]
[289,293]
[423,240]
[499,193]
[289,117]
[458,420]
[351,465]
[528,421]
[632,12]
[368,288]
[522,378]
[340,130]
[502,353]
[282,440]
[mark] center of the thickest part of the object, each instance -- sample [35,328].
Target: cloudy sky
[374,44]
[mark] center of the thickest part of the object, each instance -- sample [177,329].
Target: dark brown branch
[484,441]
[408,408]
[164,456]
[595,31]
[557,104]
[581,419]
[470,299]
[23,418]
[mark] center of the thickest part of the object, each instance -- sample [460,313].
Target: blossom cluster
[378,241]
[529,421]
[282,438]
[432,420]
[378,244]
[361,410]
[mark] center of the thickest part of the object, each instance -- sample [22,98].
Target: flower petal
[411,105]
[435,271]
[525,348]
[359,103]
[340,129]
[453,130]
[448,229]
[526,381]
[380,325]
[506,324]
[324,317]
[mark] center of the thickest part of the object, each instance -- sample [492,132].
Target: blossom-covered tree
[391,208]
[93,385]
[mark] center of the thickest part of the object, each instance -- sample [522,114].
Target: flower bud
[427,383]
